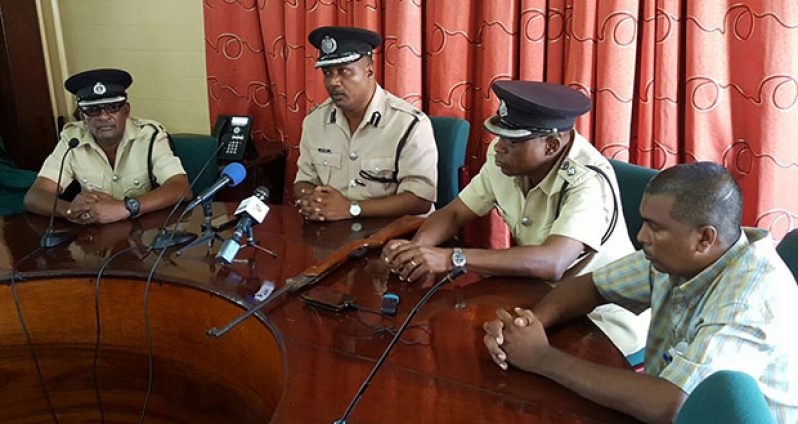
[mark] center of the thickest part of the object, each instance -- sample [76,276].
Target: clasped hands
[517,340]
[323,203]
[415,262]
[96,207]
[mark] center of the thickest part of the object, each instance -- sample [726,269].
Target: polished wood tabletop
[291,363]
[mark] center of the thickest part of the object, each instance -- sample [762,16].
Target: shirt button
[324,163]
[85,180]
[352,183]
[115,177]
[353,156]
[135,182]
[525,221]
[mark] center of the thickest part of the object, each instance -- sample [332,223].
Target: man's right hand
[416,262]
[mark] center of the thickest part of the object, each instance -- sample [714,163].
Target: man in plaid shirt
[720,296]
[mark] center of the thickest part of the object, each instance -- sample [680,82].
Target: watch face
[458,258]
[354,209]
[133,206]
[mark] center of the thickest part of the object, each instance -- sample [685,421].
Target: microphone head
[236,172]
[73,143]
[262,193]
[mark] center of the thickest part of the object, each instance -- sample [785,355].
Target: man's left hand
[327,204]
[520,341]
[98,208]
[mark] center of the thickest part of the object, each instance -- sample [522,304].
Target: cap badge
[328,45]
[99,89]
[502,109]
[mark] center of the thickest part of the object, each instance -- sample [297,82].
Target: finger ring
[85,216]
[413,262]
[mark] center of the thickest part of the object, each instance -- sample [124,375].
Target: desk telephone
[235,131]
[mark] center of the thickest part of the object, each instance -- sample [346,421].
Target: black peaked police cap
[529,109]
[340,45]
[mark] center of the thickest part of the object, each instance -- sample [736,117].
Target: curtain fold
[671,81]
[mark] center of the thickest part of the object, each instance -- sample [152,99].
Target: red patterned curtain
[671,81]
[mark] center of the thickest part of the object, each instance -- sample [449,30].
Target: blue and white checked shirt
[737,314]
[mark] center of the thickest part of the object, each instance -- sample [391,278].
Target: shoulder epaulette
[406,107]
[572,171]
[319,106]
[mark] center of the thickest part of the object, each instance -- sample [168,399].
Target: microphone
[232,175]
[453,274]
[165,239]
[251,209]
[51,237]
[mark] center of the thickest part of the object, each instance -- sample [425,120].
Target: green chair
[632,180]
[451,136]
[788,250]
[729,397]
[14,183]
[193,151]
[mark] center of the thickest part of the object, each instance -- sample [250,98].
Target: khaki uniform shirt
[330,155]
[88,164]
[585,215]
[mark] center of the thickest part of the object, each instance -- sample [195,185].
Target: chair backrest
[729,397]
[193,151]
[788,250]
[632,180]
[451,136]
[14,183]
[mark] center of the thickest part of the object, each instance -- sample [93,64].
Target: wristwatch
[354,209]
[133,206]
[458,258]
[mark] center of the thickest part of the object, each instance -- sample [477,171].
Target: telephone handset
[234,131]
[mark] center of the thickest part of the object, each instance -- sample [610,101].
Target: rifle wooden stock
[398,228]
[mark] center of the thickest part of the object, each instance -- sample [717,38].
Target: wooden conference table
[289,364]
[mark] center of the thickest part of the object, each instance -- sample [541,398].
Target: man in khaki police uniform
[110,160]
[557,194]
[364,151]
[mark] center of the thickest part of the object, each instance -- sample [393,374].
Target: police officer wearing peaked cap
[364,151]
[124,165]
[557,194]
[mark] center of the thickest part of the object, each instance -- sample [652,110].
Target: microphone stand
[208,235]
[251,242]
[52,237]
[453,274]
[164,239]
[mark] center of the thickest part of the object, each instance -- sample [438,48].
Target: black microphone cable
[148,333]
[32,349]
[97,327]
[50,238]
[193,183]
[146,292]
[453,274]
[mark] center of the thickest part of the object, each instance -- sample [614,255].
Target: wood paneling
[27,124]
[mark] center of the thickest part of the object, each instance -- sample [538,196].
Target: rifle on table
[398,228]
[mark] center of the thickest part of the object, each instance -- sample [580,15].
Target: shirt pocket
[378,173]
[136,184]
[92,180]
[326,163]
